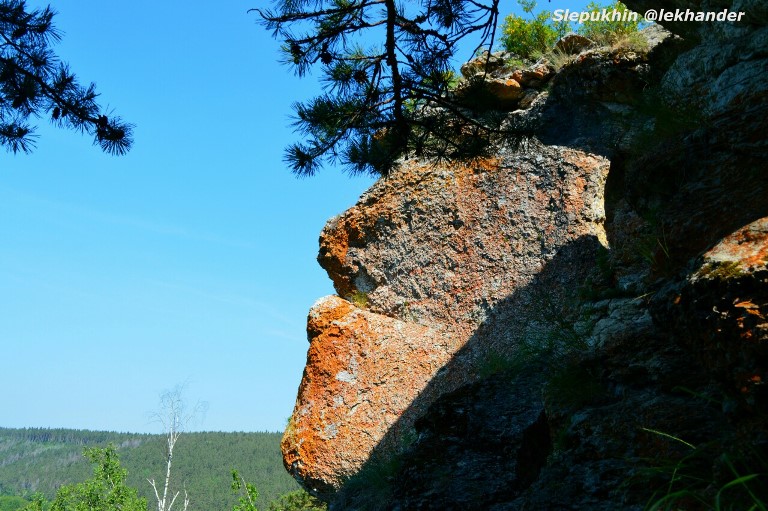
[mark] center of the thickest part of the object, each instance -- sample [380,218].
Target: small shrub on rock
[535,36]
[530,38]
[610,32]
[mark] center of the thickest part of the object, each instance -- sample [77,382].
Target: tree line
[42,460]
[107,490]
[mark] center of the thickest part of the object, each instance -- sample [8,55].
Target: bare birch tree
[174,416]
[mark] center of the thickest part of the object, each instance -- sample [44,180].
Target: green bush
[530,38]
[105,491]
[12,503]
[609,32]
[298,500]
[709,476]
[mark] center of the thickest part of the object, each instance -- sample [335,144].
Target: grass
[654,250]
[634,41]
[708,478]
[559,59]
[516,63]
[722,271]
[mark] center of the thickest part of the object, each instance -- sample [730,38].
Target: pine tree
[386,69]
[35,83]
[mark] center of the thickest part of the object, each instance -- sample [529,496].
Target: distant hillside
[41,460]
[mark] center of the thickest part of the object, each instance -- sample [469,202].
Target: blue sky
[192,258]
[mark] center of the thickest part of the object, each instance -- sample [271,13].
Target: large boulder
[428,256]
[720,313]
[363,372]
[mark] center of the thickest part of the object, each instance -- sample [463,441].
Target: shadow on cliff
[687,189]
[524,334]
[691,180]
[687,193]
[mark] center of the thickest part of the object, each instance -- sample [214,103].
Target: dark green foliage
[35,83]
[709,476]
[43,459]
[37,503]
[12,503]
[105,491]
[386,69]
[298,500]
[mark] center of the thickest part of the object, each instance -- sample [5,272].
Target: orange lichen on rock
[434,249]
[505,89]
[363,371]
[748,246]
[723,309]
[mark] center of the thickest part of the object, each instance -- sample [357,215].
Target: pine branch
[375,102]
[29,84]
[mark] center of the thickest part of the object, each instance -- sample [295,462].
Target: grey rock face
[576,343]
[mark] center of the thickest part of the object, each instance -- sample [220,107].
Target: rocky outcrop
[364,370]
[441,244]
[553,326]
[573,44]
[583,440]
[720,313]
[429,255]
[461,433]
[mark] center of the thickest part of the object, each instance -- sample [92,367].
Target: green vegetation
[388,97]
[531,38]
[609,32]
[385,67]
[35,83]
[722,270]
[655,251]
[650,245]
[535,36]
[298,500]
[359,298]
[37,503]
[247,493]
[12,502]
[709,477]
[41,460]
[105,491]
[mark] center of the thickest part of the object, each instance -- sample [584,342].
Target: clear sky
[192,258]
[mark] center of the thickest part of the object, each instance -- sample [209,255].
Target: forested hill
[41,460]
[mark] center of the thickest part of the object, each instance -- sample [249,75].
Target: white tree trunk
[174,417]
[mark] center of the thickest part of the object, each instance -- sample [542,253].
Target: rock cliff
[575,322]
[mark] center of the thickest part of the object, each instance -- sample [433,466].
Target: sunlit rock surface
[431,253]
[555,326]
